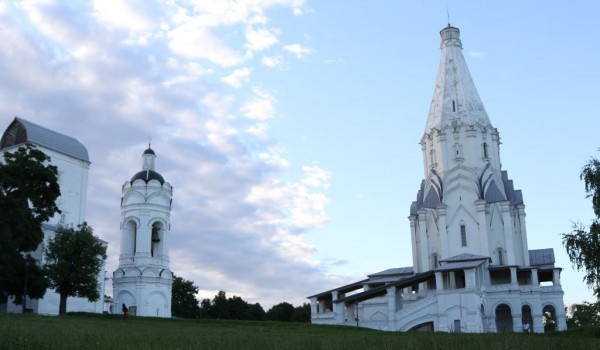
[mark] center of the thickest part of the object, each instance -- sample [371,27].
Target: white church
[71,158]
[143,280]
[472,268]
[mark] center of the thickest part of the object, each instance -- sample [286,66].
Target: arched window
[463,235]
[434,260]
[500,257]
[485,150]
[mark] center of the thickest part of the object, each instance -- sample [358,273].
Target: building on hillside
[472,268]
[71,158]
[143,279]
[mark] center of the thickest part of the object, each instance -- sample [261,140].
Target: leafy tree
[282,312]
[583,245]
[28,192]
[586,314]
[301,313]
[74,258]
[183,301]
[256,312]
[205,307]
[234,308]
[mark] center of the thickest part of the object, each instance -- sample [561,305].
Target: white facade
[71,159]
[472,268]
[143,280]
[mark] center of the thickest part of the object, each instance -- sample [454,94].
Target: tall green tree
[281,312]
[583,244]
[28,192]
[74,258]
[183,298]
[585,314]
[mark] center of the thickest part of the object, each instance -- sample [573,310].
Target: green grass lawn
[112,332]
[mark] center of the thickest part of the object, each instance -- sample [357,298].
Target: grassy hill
[112,332]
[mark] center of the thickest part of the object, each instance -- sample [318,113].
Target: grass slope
[112,332]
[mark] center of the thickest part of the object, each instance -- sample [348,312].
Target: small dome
[148,175]
[149,151]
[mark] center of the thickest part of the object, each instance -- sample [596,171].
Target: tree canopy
[74,258]
[28,192]
[582,244]
[183,298]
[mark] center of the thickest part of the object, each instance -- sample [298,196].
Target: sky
[290,129]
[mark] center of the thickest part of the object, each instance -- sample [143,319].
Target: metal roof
[541,257]
[394,271]
[465,257]
[455,98]
[459,265]
[21,131]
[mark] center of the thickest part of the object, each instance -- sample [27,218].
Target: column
[313,306]
[517,322]
[521,211]
[338,308]
[443,230]
[439,281]
[556,277]
[414,241]
[321,306]
[452,279]
[534,277]
[424,256]
[508,233]
[483,227]
[538,323]
[470,278]
[391,299]
[513,276]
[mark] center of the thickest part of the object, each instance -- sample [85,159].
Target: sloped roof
[21,131]
[541,257]
[455,98]
[459,265]
[394,271]
[465,257]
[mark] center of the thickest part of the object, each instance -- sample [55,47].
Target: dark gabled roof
[541,257]
[21,131]
[459,265]
[343,289]
[382,290]
[394,271]
[465,257]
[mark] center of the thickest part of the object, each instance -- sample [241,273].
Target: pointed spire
[455,98]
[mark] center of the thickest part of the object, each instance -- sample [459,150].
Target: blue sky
[290,128]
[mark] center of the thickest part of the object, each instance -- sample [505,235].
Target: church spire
[455,98]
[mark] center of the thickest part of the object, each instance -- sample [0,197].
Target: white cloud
[260,131]
[237,77]
[129,15]
[273,61]
[297,50]
[192,41]
[476,54]
[316,177]
[260,39]
[260,107]
[131,69]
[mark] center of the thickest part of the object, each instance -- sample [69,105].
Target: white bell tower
[143,279]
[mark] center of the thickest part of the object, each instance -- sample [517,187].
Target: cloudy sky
[290,128]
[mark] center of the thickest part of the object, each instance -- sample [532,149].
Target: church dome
[148,175]
[149,151]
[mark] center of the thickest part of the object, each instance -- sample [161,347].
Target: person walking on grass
[125,312]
